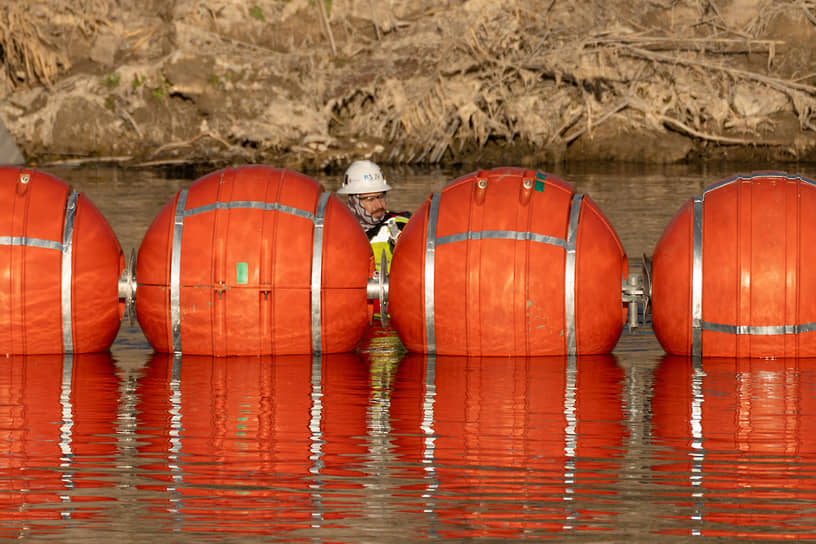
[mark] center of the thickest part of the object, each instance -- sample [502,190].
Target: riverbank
[455,82]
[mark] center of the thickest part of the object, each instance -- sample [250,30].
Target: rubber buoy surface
[250,261]
[731,272]
[508,262]
[60,264]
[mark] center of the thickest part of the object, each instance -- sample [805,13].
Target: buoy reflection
[57,421]
[254,444]
[736,434]
[502,446]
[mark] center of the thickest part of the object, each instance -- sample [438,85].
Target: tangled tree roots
[531,76]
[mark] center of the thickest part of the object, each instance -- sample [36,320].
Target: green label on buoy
[241,273]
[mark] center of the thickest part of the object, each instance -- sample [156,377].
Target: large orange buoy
[253,260]
[508,262]
[60,264]
[731,274]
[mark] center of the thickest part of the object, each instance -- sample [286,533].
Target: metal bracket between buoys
[646,269]
[377,288]
[127,287]
[637,291]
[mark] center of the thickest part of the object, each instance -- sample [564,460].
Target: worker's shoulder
[399,216]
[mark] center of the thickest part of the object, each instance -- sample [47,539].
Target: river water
[384,446]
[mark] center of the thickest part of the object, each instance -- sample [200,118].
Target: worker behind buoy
[366,188]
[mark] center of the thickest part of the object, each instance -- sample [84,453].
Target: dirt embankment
[311,84]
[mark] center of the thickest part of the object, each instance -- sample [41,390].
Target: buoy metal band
[175,272]
[430,256]
[67,251]
[759,175]
[569,273]
[250,205]
[501,235]
[317,271]
[758,330]
[697,278]
[30,242]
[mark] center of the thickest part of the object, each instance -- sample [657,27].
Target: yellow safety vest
[384,239]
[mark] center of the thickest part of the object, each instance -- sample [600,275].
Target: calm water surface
[384,446]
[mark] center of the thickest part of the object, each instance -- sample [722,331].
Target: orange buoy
[250,261]
[508,262]
[731,274]
[60,264]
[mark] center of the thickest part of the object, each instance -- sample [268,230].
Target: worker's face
[374,203]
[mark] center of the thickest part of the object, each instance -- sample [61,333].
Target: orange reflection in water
[254,444]
[503,446]
[741,437]
[57,423]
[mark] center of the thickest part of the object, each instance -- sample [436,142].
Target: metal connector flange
[377,288]
[636,291]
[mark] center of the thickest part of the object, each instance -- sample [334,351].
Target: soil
[312,84]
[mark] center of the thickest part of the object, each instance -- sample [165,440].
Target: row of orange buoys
[258,260]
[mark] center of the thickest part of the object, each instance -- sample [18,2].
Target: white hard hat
[363,177]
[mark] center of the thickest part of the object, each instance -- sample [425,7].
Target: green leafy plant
[162,91]
[216,81]
[138,80]
[112,80]
[257,13]
[326,3]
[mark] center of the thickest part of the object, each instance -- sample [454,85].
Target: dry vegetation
[29,56]
[534,77]
[435,81]
[32,46]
